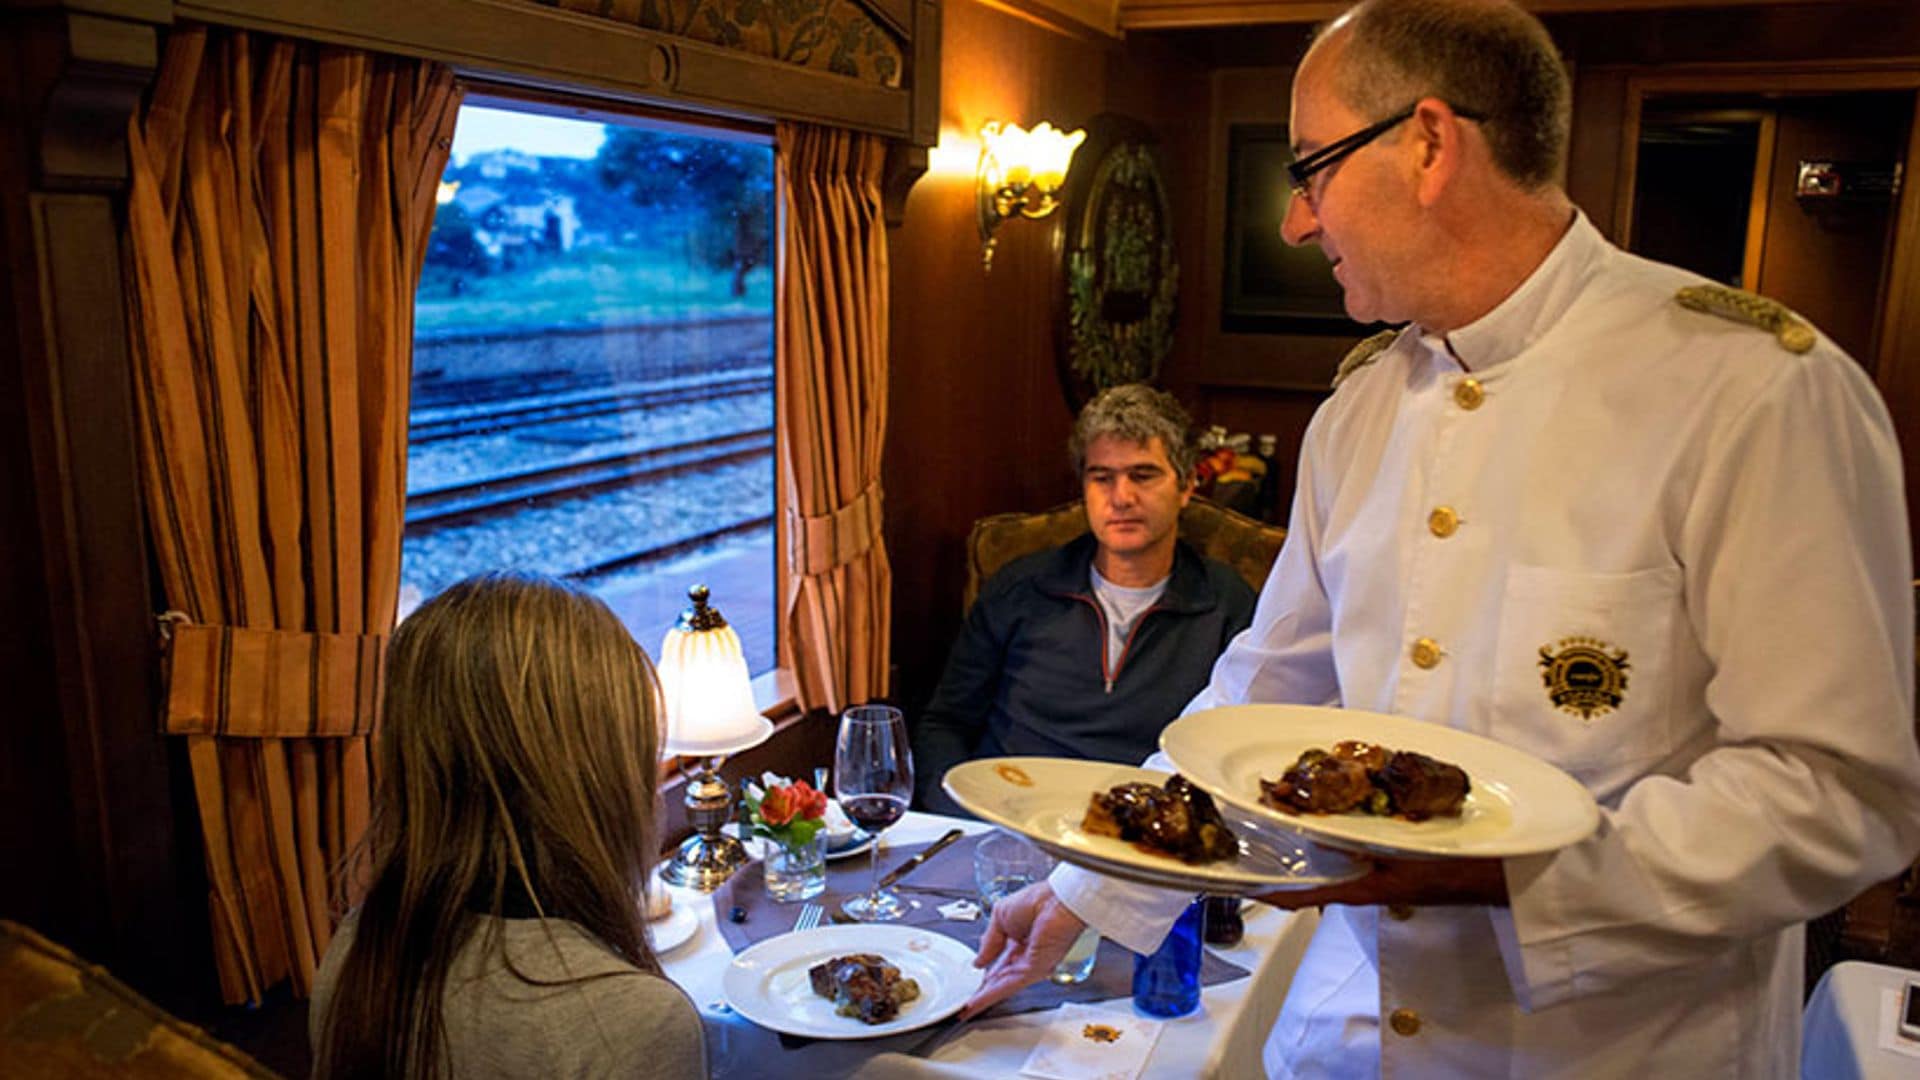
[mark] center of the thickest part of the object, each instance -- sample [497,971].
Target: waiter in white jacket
[1570,460]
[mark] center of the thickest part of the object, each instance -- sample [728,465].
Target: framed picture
[1269,287]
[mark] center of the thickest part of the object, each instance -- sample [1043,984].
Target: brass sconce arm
[1020,173]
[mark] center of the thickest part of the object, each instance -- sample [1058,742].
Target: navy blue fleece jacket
[1029,675]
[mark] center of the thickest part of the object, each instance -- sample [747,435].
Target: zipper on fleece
[1110,676]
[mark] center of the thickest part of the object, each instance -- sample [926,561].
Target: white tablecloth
[1849,1031]
[1222,1038]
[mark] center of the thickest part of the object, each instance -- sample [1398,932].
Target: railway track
[508,493]
[454,421]
[671,548]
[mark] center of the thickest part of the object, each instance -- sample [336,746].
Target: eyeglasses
[1300,173]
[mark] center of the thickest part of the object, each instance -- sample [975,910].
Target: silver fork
[809,916]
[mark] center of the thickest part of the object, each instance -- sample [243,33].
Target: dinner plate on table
[1044,799]
[1516,803]
[768,982]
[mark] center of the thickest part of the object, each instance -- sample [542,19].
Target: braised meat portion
[863,985]
[1372,757]
[1178,819]
[1319,783]
[1421,787]
[1371,779]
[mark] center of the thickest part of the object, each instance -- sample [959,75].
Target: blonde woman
[501,932]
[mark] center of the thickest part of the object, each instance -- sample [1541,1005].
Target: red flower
[811,803]
[779,806]
[797,801]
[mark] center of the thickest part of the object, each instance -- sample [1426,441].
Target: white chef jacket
[1725,518]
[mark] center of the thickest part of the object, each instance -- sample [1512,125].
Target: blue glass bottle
[1168,982]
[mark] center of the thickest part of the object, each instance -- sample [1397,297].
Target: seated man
[1089,649]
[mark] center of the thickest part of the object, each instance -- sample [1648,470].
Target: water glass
[1167,983]
[1003,864]
[797,872]
[1077,965]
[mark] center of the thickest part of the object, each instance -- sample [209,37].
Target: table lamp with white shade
[710,714]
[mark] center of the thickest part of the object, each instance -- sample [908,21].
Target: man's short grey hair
[1488,56]
[1137,413]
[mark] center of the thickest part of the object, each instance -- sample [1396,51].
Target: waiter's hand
[1412,882]
[1031,931]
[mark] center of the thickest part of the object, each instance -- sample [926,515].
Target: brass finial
[700,616]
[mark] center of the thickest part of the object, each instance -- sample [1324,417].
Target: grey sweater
[625,1024]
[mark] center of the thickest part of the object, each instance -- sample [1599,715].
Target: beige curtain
[281,199]
[832,358]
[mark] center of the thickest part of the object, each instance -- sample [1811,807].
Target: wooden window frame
[775,691]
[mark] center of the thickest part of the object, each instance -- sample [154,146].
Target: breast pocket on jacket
[1585,668]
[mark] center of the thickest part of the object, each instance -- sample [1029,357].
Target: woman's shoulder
[551,998]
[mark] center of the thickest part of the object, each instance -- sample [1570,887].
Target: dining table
[1852,1025]
[1223,1037]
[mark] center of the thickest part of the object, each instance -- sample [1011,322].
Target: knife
[929,852]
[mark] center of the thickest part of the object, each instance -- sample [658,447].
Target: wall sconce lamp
[1020,172]
[710,714]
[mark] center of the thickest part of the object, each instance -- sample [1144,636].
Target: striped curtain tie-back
[821,542]
[271,684]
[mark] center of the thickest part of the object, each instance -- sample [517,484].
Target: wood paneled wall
[979,421]
[89,852]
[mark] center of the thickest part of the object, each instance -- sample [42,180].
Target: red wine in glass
[873,779]
[874,812]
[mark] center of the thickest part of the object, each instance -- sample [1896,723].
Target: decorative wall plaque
[1117,262]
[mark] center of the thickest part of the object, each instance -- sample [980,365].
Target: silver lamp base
[708,857]
[704,862]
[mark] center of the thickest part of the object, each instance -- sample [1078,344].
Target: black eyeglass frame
[1300,173]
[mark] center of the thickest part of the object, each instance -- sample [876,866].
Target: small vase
[796,873]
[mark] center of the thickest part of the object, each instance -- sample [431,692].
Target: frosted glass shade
[709,696]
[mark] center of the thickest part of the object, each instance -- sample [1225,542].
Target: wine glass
[873,779]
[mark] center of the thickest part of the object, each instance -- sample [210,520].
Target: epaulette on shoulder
[1363,354]
[1793,334]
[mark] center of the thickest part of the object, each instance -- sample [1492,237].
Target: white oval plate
[768,982]
[1044,798]
[756,845]
[676,929]
[860,841]
[1516,804]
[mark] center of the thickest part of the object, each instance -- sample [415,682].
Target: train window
[593,368]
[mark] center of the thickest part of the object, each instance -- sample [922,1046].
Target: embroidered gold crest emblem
[1585,676]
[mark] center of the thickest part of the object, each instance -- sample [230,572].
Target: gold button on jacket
[1467,394]
[1402,912]
[1404,1022]
[1443,522]
[1426,653]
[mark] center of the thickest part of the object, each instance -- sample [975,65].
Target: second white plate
[676,929]
[1044,799]
[1516,804]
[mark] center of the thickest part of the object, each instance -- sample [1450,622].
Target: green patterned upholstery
[63,1017]
[1247,545]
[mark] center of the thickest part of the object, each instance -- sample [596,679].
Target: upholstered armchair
[1247,545]
[63,1017]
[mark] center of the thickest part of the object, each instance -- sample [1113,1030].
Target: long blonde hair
[517,760]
